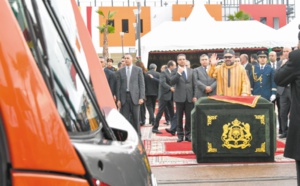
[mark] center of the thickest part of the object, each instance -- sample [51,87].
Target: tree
[106,29]
[239,16]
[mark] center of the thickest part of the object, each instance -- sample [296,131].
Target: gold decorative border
[261,118]
[210,148]
[210,118]
[262,148]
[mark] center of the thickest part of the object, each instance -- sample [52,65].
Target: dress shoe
[179,139]
[167,123]
[280,132]
[156,132]
[188,139]
[171,132]
[282,136]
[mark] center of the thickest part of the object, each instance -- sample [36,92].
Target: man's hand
[273,97]
[172,89]
[119,104]
[194,99]
[141,101]
[208,89]
[180,70]
[213,59]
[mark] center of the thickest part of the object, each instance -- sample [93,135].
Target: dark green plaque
[226,132]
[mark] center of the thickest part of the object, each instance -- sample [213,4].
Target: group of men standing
[184,86]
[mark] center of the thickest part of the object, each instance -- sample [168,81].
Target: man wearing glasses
[262,78]
[232,79]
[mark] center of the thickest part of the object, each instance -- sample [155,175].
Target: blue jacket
[262,81]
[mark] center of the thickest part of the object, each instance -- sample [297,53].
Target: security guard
[262,78]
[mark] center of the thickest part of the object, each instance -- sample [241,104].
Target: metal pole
[139,28]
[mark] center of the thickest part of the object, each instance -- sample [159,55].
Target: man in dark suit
[204,84]
[165,96]
[262,78]
[130,91]
[244,61]
[274,64]
[285,98]
[289,74]
[182,79]
[151,82]
[110,76]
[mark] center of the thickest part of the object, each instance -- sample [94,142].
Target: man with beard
[232,79]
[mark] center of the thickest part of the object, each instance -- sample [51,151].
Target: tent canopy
[201,31]
[288,34]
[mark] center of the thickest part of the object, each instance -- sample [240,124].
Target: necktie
[261,67]
[184,75]
[128,73]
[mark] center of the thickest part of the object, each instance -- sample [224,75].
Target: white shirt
[274,64]
[262,66]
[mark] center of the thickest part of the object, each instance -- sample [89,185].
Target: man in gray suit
[204,84]
[130,92]
[182,79]
[285,97]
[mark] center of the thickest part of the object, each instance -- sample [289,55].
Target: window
[125,25]
[111,22]
[276,23]
[263,20]
[70,94]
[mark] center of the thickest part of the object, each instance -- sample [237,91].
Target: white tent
[288,34]
[201,31]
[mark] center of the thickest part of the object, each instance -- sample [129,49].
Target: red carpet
[280,144]
[174,146]
[187,146]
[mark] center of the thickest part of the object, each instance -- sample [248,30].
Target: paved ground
[263,174]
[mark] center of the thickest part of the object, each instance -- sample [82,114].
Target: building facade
[274,13]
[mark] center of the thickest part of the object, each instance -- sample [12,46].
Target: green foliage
[106,29]
[239,16]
